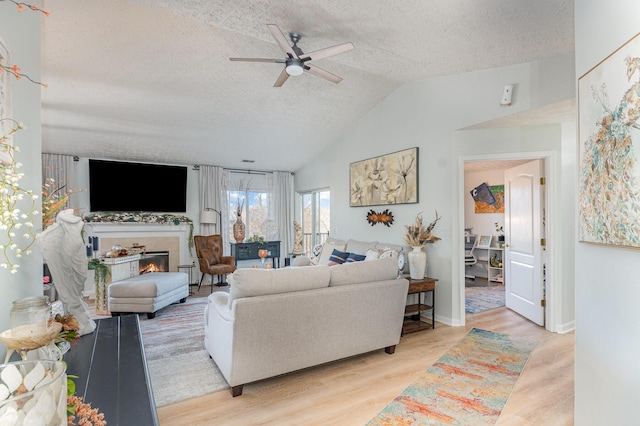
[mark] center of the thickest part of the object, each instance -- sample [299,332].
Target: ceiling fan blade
[329,51]
[281,78]
[277,61]
[281,40]
[319,72]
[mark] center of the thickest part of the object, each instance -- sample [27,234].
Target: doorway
[489,265]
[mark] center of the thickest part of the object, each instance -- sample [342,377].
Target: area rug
[179,366]
[480,299]
[469,385]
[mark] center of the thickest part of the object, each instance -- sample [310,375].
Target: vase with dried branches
[417,237]
[239,228]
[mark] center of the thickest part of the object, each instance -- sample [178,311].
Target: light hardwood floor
[352,391]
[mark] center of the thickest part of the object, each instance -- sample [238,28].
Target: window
[252,200]
[316,218]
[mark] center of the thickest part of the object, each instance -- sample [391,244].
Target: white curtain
[280,187]
[61,168]
[212,195]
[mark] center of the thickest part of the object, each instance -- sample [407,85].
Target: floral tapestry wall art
[609,137]
[388,179]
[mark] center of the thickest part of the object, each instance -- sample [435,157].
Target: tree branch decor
[419,236]
[12,220]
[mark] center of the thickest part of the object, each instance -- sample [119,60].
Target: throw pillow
[372,254]
[327,249]
[387,252]
[337,257]
[317,250]
[353,257]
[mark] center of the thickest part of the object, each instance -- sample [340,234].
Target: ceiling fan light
[294,69]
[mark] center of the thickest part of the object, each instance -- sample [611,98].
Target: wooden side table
[413,321]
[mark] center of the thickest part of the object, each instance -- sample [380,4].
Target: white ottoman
[147,293]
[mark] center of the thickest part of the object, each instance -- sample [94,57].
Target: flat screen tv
[117,186]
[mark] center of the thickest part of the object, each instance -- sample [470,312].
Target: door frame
[553,184]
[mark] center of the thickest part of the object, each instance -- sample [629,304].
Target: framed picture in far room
[484,241]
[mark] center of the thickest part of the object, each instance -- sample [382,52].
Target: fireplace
[154,261]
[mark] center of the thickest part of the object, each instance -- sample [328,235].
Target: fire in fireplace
[154,261]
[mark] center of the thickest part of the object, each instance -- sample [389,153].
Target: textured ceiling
[151,80]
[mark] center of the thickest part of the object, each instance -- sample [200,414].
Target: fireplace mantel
[155,236]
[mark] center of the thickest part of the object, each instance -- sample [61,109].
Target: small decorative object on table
[500,231]
[33,393]
[262,253]
[31,327]
[418,236]
[239,227]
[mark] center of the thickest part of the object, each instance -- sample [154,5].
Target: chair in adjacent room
[210,258]
[469,258]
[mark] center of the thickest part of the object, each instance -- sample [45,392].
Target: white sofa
[370,249]
[281,320]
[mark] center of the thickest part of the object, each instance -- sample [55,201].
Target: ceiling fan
[297,61]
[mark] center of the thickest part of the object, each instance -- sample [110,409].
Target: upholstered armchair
[209,251]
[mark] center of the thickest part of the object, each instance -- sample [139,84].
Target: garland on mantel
[166,218]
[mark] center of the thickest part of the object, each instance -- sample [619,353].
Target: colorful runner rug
[469,385]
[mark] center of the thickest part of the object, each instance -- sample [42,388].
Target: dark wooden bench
[112,372]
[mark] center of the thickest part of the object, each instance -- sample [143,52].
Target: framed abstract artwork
[609,150]
[488,199]
[383,180]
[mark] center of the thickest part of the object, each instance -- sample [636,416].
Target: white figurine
[297,243]
[63,249]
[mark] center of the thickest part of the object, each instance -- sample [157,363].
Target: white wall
[426,114]
[607,371]
[21,33]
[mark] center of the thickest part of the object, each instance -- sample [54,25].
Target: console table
[249,251]
[414,322]
[112,372]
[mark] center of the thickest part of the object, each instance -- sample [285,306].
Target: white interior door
[524,285]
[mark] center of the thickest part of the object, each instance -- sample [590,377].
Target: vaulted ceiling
[151,80]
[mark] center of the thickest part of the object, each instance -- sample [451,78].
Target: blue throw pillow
[355,257]
[337,257]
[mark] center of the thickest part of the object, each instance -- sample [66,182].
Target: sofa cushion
[360,247]
[353,257]
[327,249]
[364,272]
[251,282]
[338,257]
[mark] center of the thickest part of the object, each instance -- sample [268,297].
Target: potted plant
[500,231]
